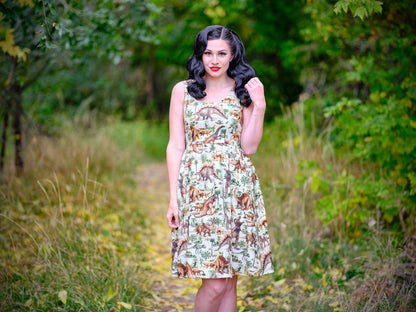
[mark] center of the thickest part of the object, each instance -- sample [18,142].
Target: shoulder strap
[186,87]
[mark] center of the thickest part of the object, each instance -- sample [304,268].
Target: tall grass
[70,239]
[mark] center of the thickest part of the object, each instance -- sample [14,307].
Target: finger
[254,82]
[172,224]
[251,82]
[257,81]
[249,85]
[174,221]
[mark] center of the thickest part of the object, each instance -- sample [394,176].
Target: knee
[231,285]
[217,287]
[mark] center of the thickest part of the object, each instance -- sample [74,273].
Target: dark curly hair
[239,70]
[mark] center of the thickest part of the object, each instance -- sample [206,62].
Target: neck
[218,83]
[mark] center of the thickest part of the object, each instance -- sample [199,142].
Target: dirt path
[168,293]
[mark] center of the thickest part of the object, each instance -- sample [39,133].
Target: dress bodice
[217,122]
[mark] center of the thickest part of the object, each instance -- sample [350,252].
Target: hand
[173,216]
[255,89]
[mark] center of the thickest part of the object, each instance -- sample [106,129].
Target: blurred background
[84,100]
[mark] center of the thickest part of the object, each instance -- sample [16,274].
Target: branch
[46,20]
[12,70]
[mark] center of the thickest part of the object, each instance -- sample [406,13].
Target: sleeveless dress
[223,227]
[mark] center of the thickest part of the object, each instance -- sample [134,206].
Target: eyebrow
[223,50]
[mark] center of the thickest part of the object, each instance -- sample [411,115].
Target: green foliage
[360,8]
[346,202]
[95,89]
[105,28]
[412,178]
[369,101]
[380,131]
[275,33]
[83,49]
[18,41]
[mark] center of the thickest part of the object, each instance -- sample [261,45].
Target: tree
[19,30]
[33,35]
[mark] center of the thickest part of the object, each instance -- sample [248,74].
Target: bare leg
[210,294]
[229,299]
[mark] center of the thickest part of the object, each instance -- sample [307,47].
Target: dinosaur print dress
[223,227]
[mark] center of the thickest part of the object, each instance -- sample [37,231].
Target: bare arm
[252,130]
[175,149]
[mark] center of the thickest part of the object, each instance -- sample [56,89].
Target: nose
[214,59]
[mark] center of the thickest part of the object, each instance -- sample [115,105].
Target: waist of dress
[210,144]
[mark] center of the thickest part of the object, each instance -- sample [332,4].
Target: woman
[216,209]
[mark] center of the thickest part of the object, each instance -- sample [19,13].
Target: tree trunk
[7,104]
[13,105]
[5,118]
[17,128]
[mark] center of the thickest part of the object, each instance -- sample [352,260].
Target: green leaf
[353,76]
[361,12]
[345,6]
[316,182]
[378,6]
[50,45]
[341,5]
[337,7]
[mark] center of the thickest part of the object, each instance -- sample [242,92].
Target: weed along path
[167,293]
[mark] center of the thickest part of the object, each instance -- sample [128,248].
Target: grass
[70,227]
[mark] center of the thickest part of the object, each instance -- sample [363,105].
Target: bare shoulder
[178,89]
[178,94]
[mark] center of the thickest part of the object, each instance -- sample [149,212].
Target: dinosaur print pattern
[208,112]
[223,228]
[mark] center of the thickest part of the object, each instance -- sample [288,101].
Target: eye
[207,53]
[223,53]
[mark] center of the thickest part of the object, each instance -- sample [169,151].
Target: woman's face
[217,57]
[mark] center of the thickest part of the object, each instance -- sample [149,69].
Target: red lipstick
[215,68]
